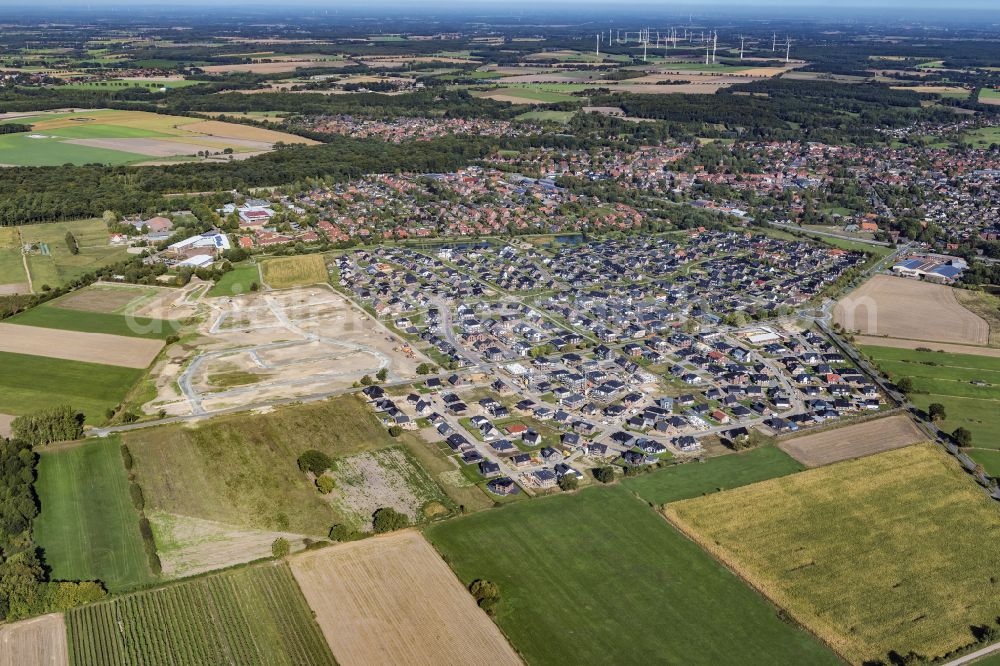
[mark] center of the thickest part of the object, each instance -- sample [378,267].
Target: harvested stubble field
[392,600]
[241,470]
[118,350]
[599,577]
[109,298]
[37,642]
[910,309]
[254,615]
[853,441]
[869,554]
[296,271]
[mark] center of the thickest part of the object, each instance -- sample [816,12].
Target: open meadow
[238,281]
[853,441]
[50,261]
[692,479]
[967,385]
[578,566]
[29,383]
[869,554]
[391,599]
[298,271]
[241,470]
[253,615]
[909,309]
[109,136]
[88,527]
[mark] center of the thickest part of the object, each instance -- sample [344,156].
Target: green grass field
[599,577]
[976,408]
[870,554]
[988,458]
[120,84]
[286,272]
[88,528]
[29,383]
[22,150]
[984,137]
[678,482]
[50,316]
[529,94]
[236,281]
[60,266]
[989,93]
[241,470]
[554,116]
[254,615]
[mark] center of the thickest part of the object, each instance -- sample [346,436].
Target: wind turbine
[788,48]
[741,47]
[774,41]
[598,45]
[715,44]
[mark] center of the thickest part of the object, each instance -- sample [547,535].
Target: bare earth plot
[868,340]
[854,441]
[75,346]
[909,309]
[393,600]
[37,642]
[5,421]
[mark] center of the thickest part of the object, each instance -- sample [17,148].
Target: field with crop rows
[255,615]
[295,271]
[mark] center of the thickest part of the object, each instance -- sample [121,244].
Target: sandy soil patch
[5,421]
[910,309]
[936,346]
[393,600]
[189,546]
[40,641]
[14,288]
[855,441]
[75,346]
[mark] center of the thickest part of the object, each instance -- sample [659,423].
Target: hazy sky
[501,5]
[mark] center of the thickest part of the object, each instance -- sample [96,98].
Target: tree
[424,369]
[342,533]
[486,593]
[395,431]
[382,374]
[325,484]
[962,436]
[366,380]
[388,519]
[74,247]
[905,385]
[315,461]
[936,411]
[280,547]
[604,474]
[568,482]
[55,424]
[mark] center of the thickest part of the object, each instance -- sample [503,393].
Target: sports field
[254,615]
[365,593]
[600,577]
[50,315]
[296,271]
[870,554]
[237,281]
[123,137]
[947,379]
[29,383]
[88,527]
[678,482]
[241,470]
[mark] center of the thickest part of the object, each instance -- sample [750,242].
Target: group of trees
[55,424]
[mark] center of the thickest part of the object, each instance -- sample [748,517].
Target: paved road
[972,656]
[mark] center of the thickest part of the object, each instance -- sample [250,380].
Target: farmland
[40,641]
[254,615]
[129,352]
[363,594]
[241,470]
[700,478]
[110,298]
[853,441]
[50,315]
[298,271]
[873,552]
[903,308]
[88,527]
[126,137]
[29,383]
[946,378]
[561,570]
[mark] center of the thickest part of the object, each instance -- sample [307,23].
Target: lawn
[253,615]
[870,554]
[286,272]
[51,316]
[29,383]
[241,469]
[88,527]
[946,378]
[599,577]
[988,458]
[236,281]
[687,480]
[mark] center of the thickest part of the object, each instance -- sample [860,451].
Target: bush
[962,437]
[568,482]
[486,593]
[280,547]
[388,519]
[325,484]
[936,411]
[126,457]
[315,461]
[395,431]
[135,492]
[604,474]
[342,533]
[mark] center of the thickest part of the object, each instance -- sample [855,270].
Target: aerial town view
[499,332]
